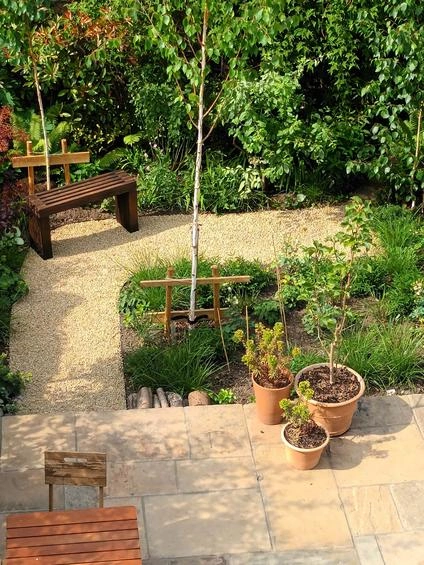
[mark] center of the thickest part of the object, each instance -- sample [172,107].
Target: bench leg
[39,231]
[126,210]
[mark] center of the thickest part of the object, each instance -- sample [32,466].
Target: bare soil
[319,379]
[307,436]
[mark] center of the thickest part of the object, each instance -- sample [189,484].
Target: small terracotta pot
[335,417]
[268,402]
[303,459]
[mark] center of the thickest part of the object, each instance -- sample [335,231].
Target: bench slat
[63,194]
[79,194]
[95,184]
[55,159]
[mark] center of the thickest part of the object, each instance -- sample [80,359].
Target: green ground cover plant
[388,356]
[180,367]
[12,384]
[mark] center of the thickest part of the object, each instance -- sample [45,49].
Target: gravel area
[66,330]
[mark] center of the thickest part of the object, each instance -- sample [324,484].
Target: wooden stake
[66,168]
[215,290]
[31,174]
[168,301]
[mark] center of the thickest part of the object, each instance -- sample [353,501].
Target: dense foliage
[322,96]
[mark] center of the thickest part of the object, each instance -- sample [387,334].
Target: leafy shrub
[223,396]
[159,186]
[226,186]
[387,356]
[12,384]
[399,261]
[12,286]
[178,367]
[267,311]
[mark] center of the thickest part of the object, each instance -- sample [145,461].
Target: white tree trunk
[197,174]
[43,121]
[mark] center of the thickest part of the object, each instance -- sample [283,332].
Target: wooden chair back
[31,160]
[75,468]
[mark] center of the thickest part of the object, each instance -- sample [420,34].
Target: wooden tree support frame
[216,313]
[65,158]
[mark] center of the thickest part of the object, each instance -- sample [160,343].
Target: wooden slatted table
[104,536]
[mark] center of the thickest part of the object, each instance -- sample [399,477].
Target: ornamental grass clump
[266,355]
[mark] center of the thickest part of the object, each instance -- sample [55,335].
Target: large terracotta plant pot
[268,402]
[335,417]
[303,459]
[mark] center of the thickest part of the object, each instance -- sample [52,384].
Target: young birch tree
[19,23]
[206,44]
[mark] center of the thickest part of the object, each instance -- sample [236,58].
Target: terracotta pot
[303,459]
[268,402]
[335,417]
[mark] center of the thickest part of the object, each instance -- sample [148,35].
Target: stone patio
[212,487]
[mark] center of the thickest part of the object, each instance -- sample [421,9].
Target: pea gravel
[66,330]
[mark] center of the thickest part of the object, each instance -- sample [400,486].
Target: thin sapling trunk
[197,173]
[42,116]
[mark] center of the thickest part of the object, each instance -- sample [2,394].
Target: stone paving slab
[381,411]
[419,418]
[306,557]
[134,434]
[370,510]
[22,491]
[337,557]
[409,499]
[138,503]
[378,456]
[2,533]
[303,508]
[136,478]
[216,431]
[260,433]
[368,550]
[406,548]
[26,438]
[198,560]
[414,400]
[206,523]
[200,475]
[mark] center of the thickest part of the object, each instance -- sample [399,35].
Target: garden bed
[383,341]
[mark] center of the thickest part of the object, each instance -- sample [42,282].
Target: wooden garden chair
[75,468]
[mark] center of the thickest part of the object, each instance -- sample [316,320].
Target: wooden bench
[119,184]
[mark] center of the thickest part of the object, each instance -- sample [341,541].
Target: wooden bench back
[31,160]
[75,468]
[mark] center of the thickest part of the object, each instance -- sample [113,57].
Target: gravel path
[66,330]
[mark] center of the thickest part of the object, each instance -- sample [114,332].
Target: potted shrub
[337,388]
[304,440]
[268,361]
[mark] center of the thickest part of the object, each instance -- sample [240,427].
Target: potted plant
[337,388]
[304,440]
[268,361]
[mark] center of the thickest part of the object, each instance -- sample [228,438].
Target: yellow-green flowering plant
[297,411]
[266,354]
